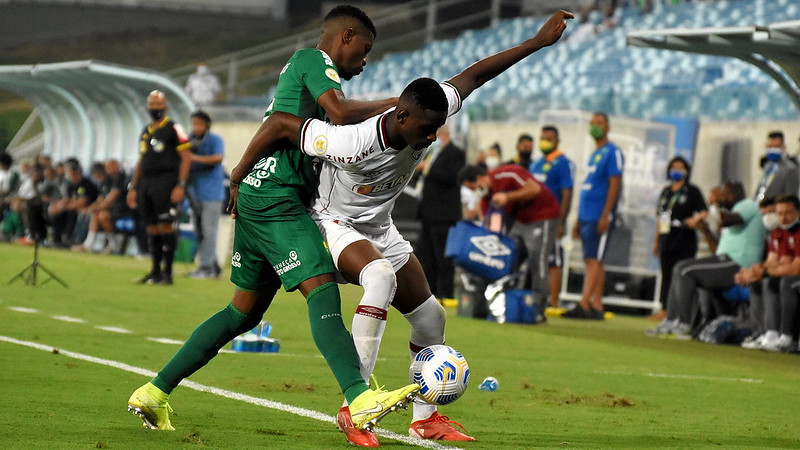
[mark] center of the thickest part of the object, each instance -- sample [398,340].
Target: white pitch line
[682,377]
[113,329]
[303,412]
[68,319]
[24,310]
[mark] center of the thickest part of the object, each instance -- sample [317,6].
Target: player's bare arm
[527,192]
[342,110]
[484,70]
[277,126]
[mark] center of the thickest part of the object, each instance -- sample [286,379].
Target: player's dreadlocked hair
[425,93]
[352,12]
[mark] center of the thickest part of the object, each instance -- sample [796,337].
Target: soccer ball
[442,373]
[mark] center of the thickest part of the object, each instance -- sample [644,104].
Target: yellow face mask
[546,146]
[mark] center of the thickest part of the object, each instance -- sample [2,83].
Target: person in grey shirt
[780,175]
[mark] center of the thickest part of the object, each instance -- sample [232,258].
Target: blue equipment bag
[513,306]
[482,252]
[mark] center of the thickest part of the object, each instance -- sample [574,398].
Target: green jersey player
[276,242]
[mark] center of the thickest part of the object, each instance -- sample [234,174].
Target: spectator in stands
[740,245]
[162,170]
[596,211]
[81,193]
[206,192]
[439,209]
[111,190]
[524,152]
[679,209]
[28,197]
[780,173]
[556,171]
[765,279]
[533,211]
[203,86]
[491,158]
[9,181]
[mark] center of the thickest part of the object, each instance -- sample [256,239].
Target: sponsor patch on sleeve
[321,144]
[331,73]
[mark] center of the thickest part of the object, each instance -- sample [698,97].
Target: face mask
[492,162]
[524,156]
[597,132]
[788,225]
[156,114]
[546,146]
[677,175]
[770,221]
[774,153]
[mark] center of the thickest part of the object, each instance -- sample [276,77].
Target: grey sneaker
[202,273]
[665,327]
[681,332]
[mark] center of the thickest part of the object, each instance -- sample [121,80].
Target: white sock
[427,328]
[369,322]
[101,238]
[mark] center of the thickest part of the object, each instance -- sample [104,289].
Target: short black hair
[73,165]
[601,114]
[766,201]
[98,167]
[776,135]
[683,161]
[789,198]
[737,189]
[202,115]
[6,159]
[551,128]
[425,93]
[471,173]
[524,137]
[352,12]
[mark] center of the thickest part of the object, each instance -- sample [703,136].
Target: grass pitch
[562,385]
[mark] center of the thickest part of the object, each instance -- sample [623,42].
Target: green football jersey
[308,74]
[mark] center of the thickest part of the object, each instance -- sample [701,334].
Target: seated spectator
[781,269]
[111,185]
[81,193]
[740,245]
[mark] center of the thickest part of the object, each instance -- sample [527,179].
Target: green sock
[333,340]
[204,343]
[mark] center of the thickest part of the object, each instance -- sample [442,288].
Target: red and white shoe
[359,438]
[438,427]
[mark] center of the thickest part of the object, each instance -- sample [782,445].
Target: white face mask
[492,162]
[788,225]
[770,221]
[714,217]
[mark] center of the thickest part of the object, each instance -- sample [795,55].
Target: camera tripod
[28,274]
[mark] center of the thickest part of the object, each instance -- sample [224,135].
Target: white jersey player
[367,165]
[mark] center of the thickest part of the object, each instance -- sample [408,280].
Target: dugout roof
[90,110]
[775,49]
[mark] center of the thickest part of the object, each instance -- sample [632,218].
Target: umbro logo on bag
[490,245]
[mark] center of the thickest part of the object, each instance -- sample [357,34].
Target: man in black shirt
[158,184]
[80,193]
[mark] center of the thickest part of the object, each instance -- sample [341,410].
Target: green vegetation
[562,385]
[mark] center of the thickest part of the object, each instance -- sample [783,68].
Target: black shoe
[596,314]
[166,279]
[577,313]
[150,278]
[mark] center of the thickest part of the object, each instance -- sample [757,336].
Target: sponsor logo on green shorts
[236,260]
[287,264]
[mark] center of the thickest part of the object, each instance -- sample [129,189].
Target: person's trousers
[207,215]
[713,273]
[765,304]
[539,238]
[789,300]
[438,270]
[668,259]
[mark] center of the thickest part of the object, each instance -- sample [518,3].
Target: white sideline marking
[68,319]
[682,377]
[114,329]
[311,414]
[165,341]
[24,310]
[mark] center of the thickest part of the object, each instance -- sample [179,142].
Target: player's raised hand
[552,30]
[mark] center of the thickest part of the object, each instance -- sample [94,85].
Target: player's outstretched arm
[342,111]
[484,70]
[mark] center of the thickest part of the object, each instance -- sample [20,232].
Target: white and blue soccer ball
[442,373]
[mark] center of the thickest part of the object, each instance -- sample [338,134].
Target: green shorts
[275,237]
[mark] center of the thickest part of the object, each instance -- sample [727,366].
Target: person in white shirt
[366,167]
[203,86]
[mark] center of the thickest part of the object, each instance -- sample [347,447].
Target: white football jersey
[361,176]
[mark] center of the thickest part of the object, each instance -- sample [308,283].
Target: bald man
[158,185]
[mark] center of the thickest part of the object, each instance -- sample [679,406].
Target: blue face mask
[677,175]
[774,153]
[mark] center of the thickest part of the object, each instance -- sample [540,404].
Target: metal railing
[410,24]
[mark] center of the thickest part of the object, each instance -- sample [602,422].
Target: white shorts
[390,244]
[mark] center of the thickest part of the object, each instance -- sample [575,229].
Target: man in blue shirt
[206,192]
[598,205]
[555,170]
